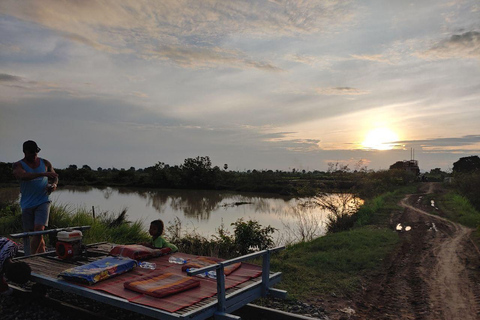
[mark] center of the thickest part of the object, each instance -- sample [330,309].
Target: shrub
[248,237]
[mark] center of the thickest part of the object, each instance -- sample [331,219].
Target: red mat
[207,288]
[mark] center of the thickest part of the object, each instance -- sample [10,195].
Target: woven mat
[207,288]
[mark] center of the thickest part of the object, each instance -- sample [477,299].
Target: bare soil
[434,275]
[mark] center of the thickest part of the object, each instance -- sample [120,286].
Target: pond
[200,211]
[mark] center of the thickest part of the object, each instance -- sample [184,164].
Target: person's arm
[160,243]
[169,245]
[54,180]
[21,174]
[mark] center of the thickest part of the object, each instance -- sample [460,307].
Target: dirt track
[434,275]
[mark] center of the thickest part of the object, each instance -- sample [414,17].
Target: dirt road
[434,274]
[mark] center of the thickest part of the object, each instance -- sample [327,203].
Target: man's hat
[30,146]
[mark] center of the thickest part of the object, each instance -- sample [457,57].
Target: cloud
[139,94]
[9,78]
[340,91]
[374,58]
[181,30]
[198,57]
[465,45]
[30,87]
[444,144]
[9,48]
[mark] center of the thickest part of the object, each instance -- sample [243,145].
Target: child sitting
[18,272]
[158,242]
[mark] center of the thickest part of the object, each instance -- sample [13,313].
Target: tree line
[199,173]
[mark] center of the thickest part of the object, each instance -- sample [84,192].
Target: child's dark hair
[18,272]
[159,224]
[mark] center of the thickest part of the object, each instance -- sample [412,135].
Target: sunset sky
[252,84]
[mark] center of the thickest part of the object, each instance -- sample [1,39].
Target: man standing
[37,181]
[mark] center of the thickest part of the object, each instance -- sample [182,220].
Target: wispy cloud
[465,45]
[374,58]
[469,142]
[9,78]
[340,91]
[13,81]
[198,57]
[181,31]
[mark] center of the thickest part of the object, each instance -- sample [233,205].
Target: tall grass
[107,226]
[456,207]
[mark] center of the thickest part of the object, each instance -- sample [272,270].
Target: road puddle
[399,227]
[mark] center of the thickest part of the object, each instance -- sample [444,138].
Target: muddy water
[200,211]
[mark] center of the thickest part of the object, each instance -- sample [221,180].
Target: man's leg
[37,245]
[42,213]
[28,218]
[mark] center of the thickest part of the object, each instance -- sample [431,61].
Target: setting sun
[380,139]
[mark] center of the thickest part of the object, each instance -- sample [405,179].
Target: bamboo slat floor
[47,267]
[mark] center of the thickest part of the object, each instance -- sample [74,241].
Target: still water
[199,211]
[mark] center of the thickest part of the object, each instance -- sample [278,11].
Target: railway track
[75,310]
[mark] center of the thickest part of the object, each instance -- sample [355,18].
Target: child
[158,242]
[18,272]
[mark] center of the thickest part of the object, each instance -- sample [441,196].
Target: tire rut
[432,276]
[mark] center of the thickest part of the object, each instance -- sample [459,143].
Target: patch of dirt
[434,274]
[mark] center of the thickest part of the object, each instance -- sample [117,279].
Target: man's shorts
[37,215]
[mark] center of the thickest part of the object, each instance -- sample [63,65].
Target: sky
[259,84]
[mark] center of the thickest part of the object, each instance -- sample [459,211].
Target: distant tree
[225,167]
[86,167]
[6,172]
[197,172]
[467,164]
[435,175]
[72,167]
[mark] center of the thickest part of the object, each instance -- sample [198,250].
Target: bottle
[177,260]
[147,265]
[203,275]
[210,274]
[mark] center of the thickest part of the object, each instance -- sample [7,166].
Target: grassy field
[334,264]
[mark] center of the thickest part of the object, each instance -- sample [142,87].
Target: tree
[197,172]
[467,164]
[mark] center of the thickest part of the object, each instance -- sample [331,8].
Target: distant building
[406,165]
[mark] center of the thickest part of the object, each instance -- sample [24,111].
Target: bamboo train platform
[229,295]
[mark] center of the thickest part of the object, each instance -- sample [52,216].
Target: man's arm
[54,180]
[21,174]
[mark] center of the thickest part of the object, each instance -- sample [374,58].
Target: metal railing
[220,275]
[26,235]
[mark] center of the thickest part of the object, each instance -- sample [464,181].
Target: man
[37,181]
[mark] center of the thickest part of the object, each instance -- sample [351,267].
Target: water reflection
[204,211]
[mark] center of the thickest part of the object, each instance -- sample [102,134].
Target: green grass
[333,263]
[456,208]
[378,210]
[336,263]
[62,216]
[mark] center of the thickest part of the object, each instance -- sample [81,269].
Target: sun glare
[380,139]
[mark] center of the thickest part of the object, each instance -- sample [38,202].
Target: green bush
[468,185]
[248,237]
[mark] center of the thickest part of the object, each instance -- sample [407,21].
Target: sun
[380,139]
